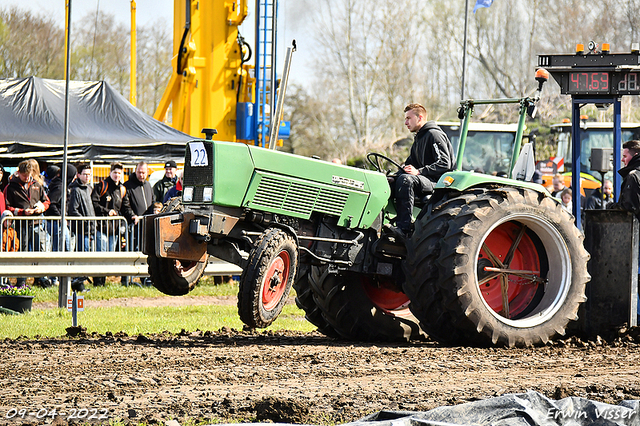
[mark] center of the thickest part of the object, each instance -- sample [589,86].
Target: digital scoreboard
[594,74]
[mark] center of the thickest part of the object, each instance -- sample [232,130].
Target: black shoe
[77,284]
[146,282]
[400,235]
[43,282]
[99,281]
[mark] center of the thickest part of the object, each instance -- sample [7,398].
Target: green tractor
[492,260]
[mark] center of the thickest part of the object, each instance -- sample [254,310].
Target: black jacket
[80,204]
[594,202]
[55,196]
[630,192]
[140,196]
[431,152]
[20,196]
[108,196]
[161,187]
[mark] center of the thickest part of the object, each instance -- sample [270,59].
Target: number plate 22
[198,155]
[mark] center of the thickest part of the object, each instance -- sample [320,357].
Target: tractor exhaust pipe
[275,119]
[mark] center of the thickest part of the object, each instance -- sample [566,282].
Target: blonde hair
[35,171]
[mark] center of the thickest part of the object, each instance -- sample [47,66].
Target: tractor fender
[462,181]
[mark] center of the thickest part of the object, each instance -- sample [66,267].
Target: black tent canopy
[103,125]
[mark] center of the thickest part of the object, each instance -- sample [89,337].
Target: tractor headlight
[187,194]
[207,194]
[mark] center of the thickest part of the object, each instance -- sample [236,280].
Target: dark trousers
[407,188]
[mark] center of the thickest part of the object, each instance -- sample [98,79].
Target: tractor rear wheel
[502,266]
[172,276]
[359,308]
[266,281]
[304,300]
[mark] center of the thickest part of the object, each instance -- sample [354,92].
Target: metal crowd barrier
[93,246]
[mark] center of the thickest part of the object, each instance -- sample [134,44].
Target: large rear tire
[313,314]
[359,309]
[266,281]
[502,266]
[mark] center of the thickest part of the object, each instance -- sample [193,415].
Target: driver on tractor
[431,156]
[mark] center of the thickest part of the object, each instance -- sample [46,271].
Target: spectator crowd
[101,217]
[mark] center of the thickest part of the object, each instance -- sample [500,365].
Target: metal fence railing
[93,246]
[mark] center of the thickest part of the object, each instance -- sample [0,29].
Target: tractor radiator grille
[298,198]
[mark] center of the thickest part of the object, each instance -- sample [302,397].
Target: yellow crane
[209,75]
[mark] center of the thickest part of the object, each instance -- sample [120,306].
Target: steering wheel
[374,158]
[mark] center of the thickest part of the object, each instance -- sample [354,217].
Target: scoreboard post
[594,77]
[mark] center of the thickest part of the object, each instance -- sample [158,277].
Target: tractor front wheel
[266,281]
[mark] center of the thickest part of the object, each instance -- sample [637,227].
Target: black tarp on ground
[103,125]
[530,408]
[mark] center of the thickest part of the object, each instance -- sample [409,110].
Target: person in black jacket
[139,192]
[140,197]
[80,204]
[431,156]
[55,197]
[109,199]
[629,199]
[167,182]
[630,191]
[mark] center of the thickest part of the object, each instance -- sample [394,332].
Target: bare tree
[30,45]
[154,64]
[101,51]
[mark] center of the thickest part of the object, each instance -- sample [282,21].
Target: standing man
[25,196]
[431,156]
[167,182]
[55,209]
[140,196]
[630,190]
[80,204]
[139,192]
[109,199]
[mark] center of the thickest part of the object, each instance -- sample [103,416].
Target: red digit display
[588,82]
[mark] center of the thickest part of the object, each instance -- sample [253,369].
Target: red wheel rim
[386,296]
[275,280]
[520,290]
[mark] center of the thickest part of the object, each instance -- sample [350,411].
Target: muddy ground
[229,375]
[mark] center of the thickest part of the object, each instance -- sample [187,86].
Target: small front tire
[267,280]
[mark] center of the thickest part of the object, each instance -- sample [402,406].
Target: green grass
[139,320]
[114,289]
